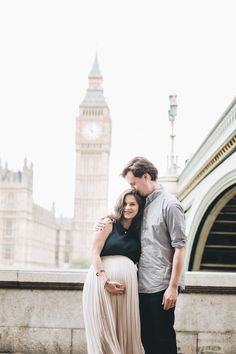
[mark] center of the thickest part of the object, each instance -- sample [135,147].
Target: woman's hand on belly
[114,287]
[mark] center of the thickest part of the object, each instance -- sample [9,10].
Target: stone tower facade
[15,214]
[93,144]
[30,236]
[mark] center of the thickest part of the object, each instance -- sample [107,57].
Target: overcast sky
[146,50]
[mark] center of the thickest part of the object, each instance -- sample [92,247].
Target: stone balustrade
[41,313]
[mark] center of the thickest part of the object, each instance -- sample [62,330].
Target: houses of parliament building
[32,237]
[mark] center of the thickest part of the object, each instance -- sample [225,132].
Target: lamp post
[172,167]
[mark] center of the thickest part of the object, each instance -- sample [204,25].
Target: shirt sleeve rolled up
[175,222]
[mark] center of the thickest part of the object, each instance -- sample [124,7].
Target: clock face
[92,130]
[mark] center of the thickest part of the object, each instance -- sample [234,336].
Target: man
[161,264]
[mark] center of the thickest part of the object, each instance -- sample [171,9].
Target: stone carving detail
[210,349]
[220,155]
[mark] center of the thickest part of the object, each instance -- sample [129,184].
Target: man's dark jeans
[157,326]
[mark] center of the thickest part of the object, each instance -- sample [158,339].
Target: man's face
[141,184]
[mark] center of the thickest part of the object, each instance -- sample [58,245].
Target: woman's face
[131,207]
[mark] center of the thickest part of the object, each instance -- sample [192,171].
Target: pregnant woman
[110,295]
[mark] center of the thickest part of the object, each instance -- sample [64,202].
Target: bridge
[207,190]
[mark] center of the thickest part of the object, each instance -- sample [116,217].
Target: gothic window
[10,199]
[66,257]
[8,252]
[67,238]
[8,228]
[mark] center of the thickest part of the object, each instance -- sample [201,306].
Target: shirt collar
[154,194]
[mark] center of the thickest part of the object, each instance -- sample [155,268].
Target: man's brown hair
[139,166]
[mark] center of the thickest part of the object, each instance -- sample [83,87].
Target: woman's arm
[100,238]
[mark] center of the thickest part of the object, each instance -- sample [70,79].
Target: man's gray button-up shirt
[163,229]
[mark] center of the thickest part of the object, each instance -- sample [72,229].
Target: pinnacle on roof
[95,72]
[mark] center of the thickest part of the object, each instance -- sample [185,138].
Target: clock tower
[93,143]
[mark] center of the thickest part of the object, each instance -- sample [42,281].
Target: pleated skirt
[112,322]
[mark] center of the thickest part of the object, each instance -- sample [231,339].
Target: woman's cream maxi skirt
[112,322]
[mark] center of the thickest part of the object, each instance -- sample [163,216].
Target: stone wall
[41,312]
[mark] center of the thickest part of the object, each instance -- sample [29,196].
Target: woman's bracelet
[99,272]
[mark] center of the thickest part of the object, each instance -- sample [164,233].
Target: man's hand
[100,224]
[170,298]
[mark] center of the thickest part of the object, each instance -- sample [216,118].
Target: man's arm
[101,223]
[175,220]
[171,293]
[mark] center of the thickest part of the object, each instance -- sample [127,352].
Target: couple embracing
[138,254]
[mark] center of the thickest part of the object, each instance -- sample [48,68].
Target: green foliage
[81,264]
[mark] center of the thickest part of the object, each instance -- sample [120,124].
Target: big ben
[93,144]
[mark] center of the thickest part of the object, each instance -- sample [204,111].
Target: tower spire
[95,71]
[94,95]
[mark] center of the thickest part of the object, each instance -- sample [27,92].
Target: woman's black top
[123,242]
